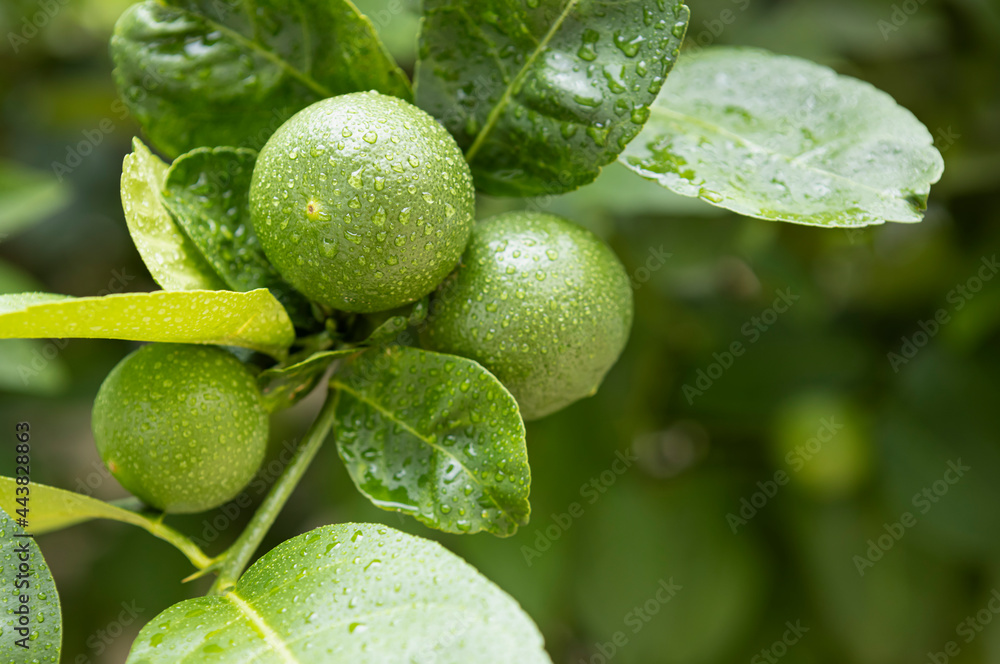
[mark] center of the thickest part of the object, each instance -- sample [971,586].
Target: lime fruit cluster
[363,202]
[542,303]
[181,427]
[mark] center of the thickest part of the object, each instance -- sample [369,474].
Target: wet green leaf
[199,73]
[252,320]
[350,593]
[31,630]
[387,331]
[434,436]
[541,96]
[208,192]
[27,196]
[285,385]
[172,258]
[781,138]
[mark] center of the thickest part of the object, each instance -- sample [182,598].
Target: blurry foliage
[860,293]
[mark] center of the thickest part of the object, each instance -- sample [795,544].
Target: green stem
[238,555]
[181,542]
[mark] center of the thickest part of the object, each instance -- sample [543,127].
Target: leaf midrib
[496,111]
[260,625]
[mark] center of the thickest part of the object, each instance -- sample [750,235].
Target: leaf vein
[272,638]
[508,93]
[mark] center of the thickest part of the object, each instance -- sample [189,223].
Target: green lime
[362,202]
[542,303]
[181,427]
[821,440]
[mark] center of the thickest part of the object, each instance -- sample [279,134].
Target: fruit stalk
[238,555]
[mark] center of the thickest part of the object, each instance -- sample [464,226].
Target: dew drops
[630,47]
[640,115]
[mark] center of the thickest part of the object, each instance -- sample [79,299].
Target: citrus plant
[310,219]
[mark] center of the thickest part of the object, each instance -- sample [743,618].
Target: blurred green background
[761,497]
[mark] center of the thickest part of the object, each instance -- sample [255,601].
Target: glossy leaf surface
[252,320]
[541,95]
[781,138]
[31,627]
[208,192]
[172,258]
[434,436]
[203,73]
[351,594]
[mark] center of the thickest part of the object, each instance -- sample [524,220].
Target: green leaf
[54,509]
[390,329]
[286,384]
[780,138]
[434,436]
[348,594]
[27,196]
[40,639]
[198,73]
[253,320]
[541,96]
[208,192]
[172,259]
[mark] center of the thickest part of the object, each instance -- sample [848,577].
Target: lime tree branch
[236,558]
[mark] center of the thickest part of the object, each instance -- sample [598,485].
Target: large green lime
[539,301]
[363,202]
[181,427]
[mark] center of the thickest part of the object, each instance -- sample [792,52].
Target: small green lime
[181,427]
[821,440]
[542,303]
[363,202]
